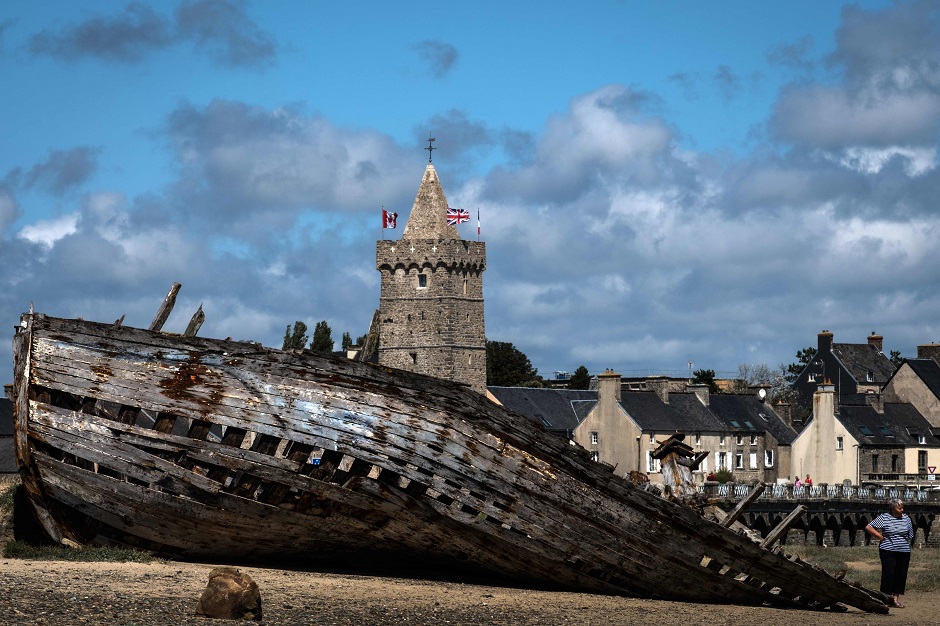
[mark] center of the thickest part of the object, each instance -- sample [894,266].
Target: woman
[894,532]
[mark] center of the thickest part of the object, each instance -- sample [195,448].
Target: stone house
[872,441]
[917,381]
[851,368]
[621,426]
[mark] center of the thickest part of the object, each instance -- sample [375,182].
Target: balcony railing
[816,492]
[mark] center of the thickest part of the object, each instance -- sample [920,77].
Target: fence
[816,492]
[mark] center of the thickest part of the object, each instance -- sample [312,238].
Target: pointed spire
[428,219]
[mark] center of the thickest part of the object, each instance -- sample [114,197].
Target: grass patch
[863,566]
[21,550]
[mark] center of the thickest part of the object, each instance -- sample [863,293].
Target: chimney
[701,391]
[608,387]
[785,411]
[824,343]
[875,401]
[929,351]
[659,384]
[8,392]
[875,340]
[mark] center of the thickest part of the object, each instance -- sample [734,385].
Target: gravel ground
[135,594]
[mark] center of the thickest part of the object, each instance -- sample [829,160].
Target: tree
[508,367]
[295,340]
[347,342]
[705,377]
[896,359]
[803,358]
[581,379]
[322,338]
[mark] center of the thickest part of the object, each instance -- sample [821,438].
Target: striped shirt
[897,532]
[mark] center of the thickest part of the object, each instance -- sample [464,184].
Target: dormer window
[870,376]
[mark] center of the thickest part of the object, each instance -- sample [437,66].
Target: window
[839,443]
[721,440]
[922,439]
[894,463]
[768,458]
[698,439]
[595,456]
[874,463]
[753,440]
[651,463]
[865,431]
[414,357]
[594,437]
[740,439]
[464,286]
[739,460]
[811,378]
[921,461]
[887,432]
[870,377]
[722,460]
[652,438]
[422,281]
[753,460]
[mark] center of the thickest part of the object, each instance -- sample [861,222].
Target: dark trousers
[894,571]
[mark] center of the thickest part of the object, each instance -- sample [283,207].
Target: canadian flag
[389,220]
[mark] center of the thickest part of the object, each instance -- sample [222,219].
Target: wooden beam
[195,323]
[783,526]
[166,308]
[739,510]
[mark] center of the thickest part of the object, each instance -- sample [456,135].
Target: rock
[230,594]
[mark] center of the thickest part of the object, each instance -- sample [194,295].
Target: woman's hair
[895,503]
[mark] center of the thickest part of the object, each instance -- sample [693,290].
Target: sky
[658,184]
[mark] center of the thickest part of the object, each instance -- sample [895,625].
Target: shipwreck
[215,449]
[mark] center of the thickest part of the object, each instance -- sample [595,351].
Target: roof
[861,358]
[928,371]
[900,425]
[555,409]
[685,412]
[746,412]
[428,217]
[6,417]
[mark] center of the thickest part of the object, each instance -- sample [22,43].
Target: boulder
[230,594]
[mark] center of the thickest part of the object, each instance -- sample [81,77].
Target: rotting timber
[202,448]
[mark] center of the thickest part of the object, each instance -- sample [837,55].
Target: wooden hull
[201,448]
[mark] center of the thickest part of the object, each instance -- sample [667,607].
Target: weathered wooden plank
[743,505]
[195,323]
[774,535]
[163,313]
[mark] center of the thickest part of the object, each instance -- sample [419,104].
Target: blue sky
[659,183]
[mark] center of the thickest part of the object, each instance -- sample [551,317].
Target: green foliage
[724,476]
[347,342]
[803,358]
[705,377]
[896,359]
[297,339]
[581,379]
[508,367]
[21,550]
[322,338]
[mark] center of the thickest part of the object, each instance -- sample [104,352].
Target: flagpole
[383,222]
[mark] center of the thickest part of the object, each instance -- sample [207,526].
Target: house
[622,422]
[852,368]
[917,381]
[875,442]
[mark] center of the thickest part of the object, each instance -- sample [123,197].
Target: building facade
[431,303]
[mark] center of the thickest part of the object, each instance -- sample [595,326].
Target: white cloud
[917,161]
[48,232]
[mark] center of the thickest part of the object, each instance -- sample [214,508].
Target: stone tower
[431,302]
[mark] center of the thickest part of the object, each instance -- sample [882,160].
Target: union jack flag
[457,216]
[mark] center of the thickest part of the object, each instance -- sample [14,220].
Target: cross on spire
[431,140]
